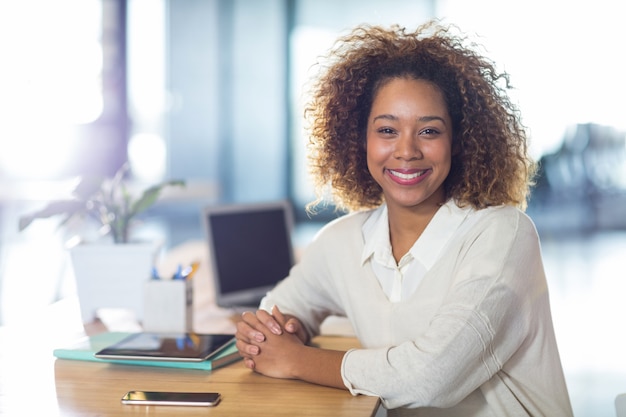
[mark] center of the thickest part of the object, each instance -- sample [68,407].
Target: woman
[437,267]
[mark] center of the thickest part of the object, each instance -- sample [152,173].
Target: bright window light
[566,59]
[50,81]
[147,96]
[146,57]
[147,156]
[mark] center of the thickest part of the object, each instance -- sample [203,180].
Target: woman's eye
[429,132]
[386,131]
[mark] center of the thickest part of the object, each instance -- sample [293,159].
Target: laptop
[250,250]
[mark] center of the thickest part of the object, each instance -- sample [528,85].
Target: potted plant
[109,273]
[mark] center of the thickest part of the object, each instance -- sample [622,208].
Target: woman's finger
[269,322]
[246,350]
[249,328]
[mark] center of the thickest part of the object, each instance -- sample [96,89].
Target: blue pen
[179,272]
[180,343]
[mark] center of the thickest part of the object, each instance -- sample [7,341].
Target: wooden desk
[33,382]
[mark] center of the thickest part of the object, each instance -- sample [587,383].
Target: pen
[179,273]
[189,271]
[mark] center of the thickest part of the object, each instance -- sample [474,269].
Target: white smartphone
[198,399]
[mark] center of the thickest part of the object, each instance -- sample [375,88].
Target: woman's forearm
[319,366]
[270,350]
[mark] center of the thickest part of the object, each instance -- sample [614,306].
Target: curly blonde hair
[490,165]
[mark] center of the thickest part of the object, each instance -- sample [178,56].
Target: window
[50,83]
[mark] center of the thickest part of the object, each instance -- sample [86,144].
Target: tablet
[184,347]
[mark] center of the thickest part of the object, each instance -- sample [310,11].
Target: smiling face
[409,144]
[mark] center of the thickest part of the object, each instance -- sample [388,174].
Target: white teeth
[406,176]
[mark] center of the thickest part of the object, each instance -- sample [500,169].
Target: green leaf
[106,200]
[150,196]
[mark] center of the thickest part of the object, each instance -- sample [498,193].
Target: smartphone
[198,399]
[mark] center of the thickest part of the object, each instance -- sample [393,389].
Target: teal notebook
[85,348]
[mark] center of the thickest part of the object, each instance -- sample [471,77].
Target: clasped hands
[270,343]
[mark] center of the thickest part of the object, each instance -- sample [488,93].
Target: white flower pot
[112,275]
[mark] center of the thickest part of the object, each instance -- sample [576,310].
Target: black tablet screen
[166,346]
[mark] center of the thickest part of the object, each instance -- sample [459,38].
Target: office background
[211,91]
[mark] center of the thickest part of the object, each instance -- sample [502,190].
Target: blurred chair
[620,405]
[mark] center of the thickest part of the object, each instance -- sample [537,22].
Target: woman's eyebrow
[385,117]
[431,118]
[419,119]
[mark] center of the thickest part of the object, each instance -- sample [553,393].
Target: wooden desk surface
[33,382]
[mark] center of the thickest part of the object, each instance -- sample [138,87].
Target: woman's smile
[407,176]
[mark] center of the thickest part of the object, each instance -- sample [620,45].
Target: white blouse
[474,338]
[420,258]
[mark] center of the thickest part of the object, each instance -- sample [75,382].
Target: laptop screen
[250,249]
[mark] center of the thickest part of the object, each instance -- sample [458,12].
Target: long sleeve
[476,337]
[493,316]
[312,291]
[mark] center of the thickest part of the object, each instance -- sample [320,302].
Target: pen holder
[168,305]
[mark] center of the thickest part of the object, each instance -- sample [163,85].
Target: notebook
[250,249]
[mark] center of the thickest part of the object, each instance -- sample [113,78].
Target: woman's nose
[407,147]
